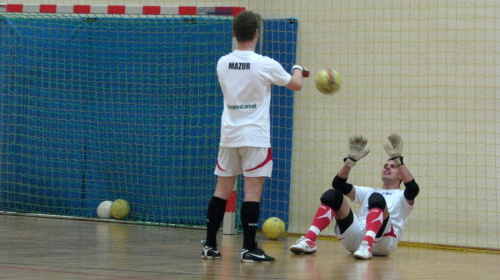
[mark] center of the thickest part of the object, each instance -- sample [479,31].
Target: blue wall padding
[108,108]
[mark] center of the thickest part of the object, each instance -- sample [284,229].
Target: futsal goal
[123,102]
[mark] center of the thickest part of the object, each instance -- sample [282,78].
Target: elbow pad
[341,185]
[411,190]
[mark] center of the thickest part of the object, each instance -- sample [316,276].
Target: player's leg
[250,212]
[377,214]
[217,205]
[257,165]
[215,215]
[350,231]
[333,204]
[386,240]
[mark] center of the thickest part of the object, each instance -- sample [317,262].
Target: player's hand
[357,149]
[303,69]
[395,149]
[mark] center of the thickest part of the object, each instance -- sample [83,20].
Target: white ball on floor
[104,210]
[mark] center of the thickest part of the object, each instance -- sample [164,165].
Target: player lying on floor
[379,226]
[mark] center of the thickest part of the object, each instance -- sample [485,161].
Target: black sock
[250,212]
[345,223]
[215,215]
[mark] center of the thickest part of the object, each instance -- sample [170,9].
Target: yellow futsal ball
[120,209]
[328,81]
[273,228]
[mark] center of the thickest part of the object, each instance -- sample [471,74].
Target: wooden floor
[47,248]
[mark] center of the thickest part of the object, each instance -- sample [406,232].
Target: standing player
[383,212]
[245,146]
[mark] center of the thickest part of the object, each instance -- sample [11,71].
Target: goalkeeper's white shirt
[398,206]
[246,78]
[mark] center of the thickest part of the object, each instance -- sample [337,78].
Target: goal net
[116,105]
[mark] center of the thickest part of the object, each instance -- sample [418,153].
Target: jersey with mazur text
[246,78]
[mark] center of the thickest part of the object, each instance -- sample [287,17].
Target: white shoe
[304,246]
[364,251]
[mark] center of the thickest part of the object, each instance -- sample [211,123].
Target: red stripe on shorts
[268,159]
[390,233]
[218,166]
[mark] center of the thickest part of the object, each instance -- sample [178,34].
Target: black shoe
[209,252]
[257,255]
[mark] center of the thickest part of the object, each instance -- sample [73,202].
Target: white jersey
[398,206]
[246,78]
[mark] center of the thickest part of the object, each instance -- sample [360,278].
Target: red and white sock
[374,221]
[322,219]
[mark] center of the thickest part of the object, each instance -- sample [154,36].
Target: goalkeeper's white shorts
[249,161]
[352,237]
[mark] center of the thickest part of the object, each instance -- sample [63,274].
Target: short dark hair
[244,26]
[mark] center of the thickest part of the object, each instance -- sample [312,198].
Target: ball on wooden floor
[104,209]
[274,228]
[120,209]
[328,81]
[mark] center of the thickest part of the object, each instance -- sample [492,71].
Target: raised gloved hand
[357,149]
[303,69]
[395,149]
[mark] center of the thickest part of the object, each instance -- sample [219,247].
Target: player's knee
[376,200]
[333,199]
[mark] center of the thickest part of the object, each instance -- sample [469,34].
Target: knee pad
[376,200]
[333,199]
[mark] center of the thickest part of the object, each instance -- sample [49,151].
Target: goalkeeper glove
[395,149]
[357,150]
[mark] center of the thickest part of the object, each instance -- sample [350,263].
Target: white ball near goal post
[104,209]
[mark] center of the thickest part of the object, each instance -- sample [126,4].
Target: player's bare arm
[394,150]
[298,72]
[357,151]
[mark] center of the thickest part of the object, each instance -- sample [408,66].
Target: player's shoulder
[260,57]
[245,55]
[264,60]
[226,57]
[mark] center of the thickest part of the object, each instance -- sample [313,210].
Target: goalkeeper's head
[391,176]
[246,26]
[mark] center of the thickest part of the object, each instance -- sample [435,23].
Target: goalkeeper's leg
[333,205]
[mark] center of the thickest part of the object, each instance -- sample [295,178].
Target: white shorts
[352,237]
[249,161]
